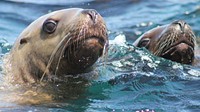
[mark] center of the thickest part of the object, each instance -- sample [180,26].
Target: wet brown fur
[162,40]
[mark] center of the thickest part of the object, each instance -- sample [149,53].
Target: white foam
[194,72]
[119,40]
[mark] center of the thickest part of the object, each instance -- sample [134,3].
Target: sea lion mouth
[85,43]
[181,51]
[83,53]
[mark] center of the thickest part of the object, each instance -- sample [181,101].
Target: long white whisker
[52,56]
[62,53]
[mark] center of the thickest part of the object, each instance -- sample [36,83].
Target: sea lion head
[174,41]
[67,41]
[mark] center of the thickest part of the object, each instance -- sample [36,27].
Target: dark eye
[49,26]
[144,43]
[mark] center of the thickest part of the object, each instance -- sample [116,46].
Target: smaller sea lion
[63,42]
[175,41]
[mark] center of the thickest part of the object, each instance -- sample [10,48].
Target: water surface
[130,79]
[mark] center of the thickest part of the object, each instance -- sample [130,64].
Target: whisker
[52,56]
[69,53]
[105,52]
[61,55]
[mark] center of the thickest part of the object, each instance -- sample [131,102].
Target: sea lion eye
[49,26]
[144,43]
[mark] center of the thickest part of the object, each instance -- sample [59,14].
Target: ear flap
[23,41]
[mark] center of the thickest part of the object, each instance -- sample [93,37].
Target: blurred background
[129,17]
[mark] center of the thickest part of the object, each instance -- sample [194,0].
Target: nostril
[181,23]
[91,13]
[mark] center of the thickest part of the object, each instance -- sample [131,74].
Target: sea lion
[175,41]
[63,42]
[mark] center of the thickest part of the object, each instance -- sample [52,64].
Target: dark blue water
[130,79]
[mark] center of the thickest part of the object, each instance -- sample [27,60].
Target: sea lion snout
[182,53]
[89,44]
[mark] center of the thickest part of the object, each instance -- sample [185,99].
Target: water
[131,79]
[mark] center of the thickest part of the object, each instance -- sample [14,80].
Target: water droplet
[137,32]
[143,24]
[186,12]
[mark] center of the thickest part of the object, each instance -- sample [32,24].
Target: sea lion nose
[181,24]
[91,13]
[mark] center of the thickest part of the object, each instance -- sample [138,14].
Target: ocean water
[129,79]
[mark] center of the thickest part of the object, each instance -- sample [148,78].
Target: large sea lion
[175,41]
[63,42]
